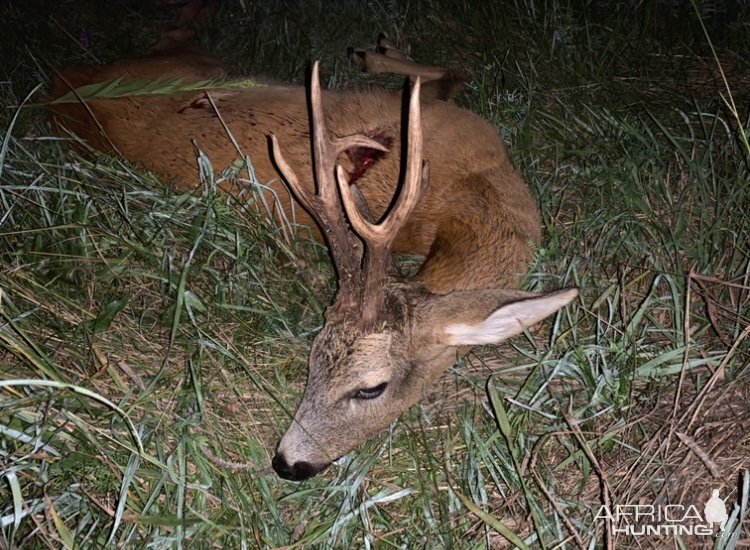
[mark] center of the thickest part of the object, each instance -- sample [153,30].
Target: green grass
[153,345]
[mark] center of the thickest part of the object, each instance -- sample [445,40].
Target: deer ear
[509,319]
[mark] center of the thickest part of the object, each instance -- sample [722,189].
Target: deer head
[385,337]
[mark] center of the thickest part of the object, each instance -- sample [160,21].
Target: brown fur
[474,225]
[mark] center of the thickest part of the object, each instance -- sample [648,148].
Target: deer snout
[299,471]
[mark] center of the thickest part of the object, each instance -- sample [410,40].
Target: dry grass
[133,317]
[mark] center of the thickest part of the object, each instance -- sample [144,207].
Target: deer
[370,185]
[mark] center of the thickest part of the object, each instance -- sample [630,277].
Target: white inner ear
[509,320]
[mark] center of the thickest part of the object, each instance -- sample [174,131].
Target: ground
[153,344]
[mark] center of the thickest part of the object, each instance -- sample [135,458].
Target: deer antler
[379,238]
[361,275]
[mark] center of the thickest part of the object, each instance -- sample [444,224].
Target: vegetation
[153,345]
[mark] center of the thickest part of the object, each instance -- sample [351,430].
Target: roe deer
[385,337]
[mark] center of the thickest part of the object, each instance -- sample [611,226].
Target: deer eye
[370,393]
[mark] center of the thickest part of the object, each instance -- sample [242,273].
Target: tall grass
[153,345]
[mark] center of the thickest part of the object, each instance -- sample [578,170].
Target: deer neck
[484,239]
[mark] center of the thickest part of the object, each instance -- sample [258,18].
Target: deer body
[385,337]
[474,224]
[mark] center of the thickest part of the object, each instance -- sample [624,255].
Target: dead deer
[385,337]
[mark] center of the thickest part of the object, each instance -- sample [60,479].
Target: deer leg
[437,82]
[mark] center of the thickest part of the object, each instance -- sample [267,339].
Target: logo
[715,511]
[639,520]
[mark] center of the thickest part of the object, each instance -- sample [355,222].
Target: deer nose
[299,471]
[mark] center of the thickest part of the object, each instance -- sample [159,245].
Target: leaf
[119,88]
[62,529]
[495,523]
[192,302]
[107,315]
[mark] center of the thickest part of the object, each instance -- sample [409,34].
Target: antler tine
[324,157]
[323,203]
[379,238]
[326,149]
[360,287]
[308,200]
[416,178]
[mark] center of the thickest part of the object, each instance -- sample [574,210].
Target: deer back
[474,224]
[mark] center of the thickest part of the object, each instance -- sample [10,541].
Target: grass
[153,345]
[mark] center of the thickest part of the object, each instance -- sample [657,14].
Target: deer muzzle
[298,471]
